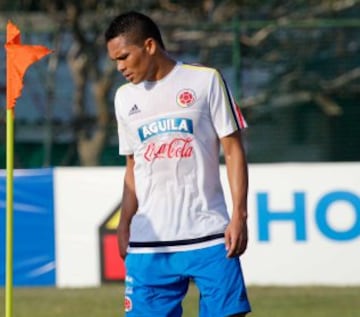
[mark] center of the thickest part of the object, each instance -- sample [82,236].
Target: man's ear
[150,45]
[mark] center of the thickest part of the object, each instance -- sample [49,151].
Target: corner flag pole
[18,58]
[9,211]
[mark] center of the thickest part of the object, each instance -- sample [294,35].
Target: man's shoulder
[199,68]
[124,88]
[126,98]
[128,91]
[202,74]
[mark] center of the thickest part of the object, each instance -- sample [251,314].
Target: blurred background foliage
[293,67]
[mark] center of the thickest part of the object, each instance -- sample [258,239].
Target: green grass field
[106,301]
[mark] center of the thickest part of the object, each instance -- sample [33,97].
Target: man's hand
[123,235]
[236,237]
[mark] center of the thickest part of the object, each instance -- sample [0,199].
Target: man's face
[133,61]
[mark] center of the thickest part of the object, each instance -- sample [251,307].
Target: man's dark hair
[136,25]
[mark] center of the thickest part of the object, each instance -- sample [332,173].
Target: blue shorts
[156,283]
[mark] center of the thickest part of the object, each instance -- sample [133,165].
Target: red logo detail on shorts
[127,304]
[185,98]
[177,148]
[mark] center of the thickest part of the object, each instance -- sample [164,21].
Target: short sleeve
[225,113]
[125,147]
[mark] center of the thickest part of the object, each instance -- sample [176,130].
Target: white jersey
[172,127]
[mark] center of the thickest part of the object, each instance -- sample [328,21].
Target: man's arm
[128,207]
[236,235]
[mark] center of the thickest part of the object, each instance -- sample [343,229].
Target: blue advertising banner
[34,239]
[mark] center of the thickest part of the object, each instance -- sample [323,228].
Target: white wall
[83,199]
[326,251]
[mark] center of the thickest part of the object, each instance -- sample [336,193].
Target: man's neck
[164,66]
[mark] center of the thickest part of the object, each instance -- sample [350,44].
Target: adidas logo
[134,109]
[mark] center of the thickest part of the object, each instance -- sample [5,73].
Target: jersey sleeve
[125,147]
[225,113]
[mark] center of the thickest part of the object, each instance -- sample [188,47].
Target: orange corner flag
[18,58]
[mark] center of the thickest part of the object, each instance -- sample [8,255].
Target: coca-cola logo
[176,148]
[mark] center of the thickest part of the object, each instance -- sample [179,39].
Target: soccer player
[174,227]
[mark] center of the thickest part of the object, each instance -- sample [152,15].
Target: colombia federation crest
[185,98]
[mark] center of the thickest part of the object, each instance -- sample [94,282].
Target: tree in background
[294,73]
